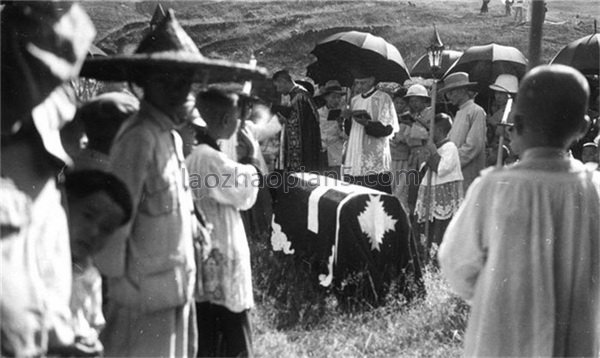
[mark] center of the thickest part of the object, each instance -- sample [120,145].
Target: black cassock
[302,145]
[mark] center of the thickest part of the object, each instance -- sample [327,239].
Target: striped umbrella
[363,53]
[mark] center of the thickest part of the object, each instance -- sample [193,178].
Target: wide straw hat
[168,49]
[457,80]
[332,86]
[506,83]
[416,90]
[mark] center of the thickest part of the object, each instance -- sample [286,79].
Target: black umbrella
[321,72]
[361,52]
[485,63]
[582,54]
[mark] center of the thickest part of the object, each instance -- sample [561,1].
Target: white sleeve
[449,161]
[228,182]
[462,253]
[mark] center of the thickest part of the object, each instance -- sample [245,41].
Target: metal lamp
[434,52]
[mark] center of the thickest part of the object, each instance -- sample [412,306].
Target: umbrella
[321,72]
[581,54]
[356,51]
[486,62]
[421,67]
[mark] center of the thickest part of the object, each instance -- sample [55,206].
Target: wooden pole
[507,108]
[538,13]
[429,172]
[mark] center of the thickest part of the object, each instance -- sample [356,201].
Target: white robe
[524,250]
[366,154]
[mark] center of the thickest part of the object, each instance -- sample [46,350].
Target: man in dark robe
[302,136]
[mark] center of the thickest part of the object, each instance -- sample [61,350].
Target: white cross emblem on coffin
[347,227]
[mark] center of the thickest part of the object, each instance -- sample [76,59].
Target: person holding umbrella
[371,122]
[504,87]
[468,129]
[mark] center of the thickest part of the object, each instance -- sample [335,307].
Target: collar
[467,103]
[164,122]
[545,153]
[442,142]
[369,93]
[203,138]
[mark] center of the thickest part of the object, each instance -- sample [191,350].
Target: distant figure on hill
[507,7]
[518,5]
[484,7]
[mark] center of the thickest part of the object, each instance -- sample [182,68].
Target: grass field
[293,318]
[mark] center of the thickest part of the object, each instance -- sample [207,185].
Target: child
[102,117]
[446,192]
[98,204]
[524,247]
[222,187]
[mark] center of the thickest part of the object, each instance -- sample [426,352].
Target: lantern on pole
[434,52]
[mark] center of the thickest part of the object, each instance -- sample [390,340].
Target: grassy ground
[294,318]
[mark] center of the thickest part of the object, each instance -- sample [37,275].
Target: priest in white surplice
[374,120]
[524,248]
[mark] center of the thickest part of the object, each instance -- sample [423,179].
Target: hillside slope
[282,33]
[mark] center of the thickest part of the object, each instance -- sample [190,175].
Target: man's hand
[247,146]
[361,117]
[431,148]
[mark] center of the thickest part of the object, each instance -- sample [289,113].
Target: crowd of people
[121,236]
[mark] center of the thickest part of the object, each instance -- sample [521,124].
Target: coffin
[346,230]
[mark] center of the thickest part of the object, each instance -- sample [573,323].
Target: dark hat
[284,74]
[168,49]
[457,80]
[108,107]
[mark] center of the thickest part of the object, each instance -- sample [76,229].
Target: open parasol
[582,54]
[486,62]
[354,51]
[421,68]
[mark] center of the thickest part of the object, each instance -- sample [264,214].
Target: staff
[434,52]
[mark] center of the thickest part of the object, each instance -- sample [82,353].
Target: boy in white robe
[446,192]
[523,248]
[222,187]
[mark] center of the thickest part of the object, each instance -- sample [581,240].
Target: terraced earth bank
[282,33]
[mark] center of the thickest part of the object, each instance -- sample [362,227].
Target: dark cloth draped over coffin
[347,231]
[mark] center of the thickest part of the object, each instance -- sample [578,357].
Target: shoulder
[382,95]
[477,110]
[136,132]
